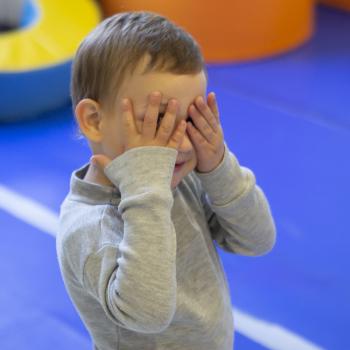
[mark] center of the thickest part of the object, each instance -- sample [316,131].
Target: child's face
[184,88]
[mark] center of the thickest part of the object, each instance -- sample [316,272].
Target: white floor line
[270,335]
[29,211]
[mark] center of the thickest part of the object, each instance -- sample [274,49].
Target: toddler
[140,226]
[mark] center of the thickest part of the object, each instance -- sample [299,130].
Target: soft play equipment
[233,30]
[340,4]
[35,59]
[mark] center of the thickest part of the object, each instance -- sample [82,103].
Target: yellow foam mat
[52,38]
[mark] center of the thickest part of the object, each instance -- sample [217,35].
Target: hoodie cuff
[226,182]
[142,168]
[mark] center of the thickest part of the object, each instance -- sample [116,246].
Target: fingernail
[172,103]
[125,104]
[155,96]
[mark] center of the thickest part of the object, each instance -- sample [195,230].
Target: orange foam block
[233,30]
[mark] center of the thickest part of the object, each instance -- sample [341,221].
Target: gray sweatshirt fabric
[139,260]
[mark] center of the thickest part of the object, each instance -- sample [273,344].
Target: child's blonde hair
[115,47]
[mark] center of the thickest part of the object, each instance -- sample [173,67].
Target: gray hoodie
[139,260]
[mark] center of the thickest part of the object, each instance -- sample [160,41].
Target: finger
[128,122]
[199,142]
[149,126]
[212,103]
[206,113]
[100,161]
[167,124]
[178,135]
[202,124]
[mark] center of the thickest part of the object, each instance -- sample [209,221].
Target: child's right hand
[165,135]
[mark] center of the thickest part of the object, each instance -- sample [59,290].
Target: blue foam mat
[36,312]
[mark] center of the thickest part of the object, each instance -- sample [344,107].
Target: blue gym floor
[287,119]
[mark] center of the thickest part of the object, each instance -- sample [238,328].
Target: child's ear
[88,114]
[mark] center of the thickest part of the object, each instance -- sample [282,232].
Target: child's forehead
[184,101]
[183,87]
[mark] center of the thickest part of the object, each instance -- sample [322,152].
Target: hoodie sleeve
[136,281]
[236,209]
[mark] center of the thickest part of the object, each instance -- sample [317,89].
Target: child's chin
[179,175]
[174,182]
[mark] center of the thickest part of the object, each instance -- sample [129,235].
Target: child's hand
[207,135]
[168,134]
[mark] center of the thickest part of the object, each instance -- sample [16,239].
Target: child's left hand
[207,135]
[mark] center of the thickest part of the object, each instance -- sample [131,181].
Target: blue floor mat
[36,312]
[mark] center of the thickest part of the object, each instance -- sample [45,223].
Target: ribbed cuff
[225,182]
[142,168]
